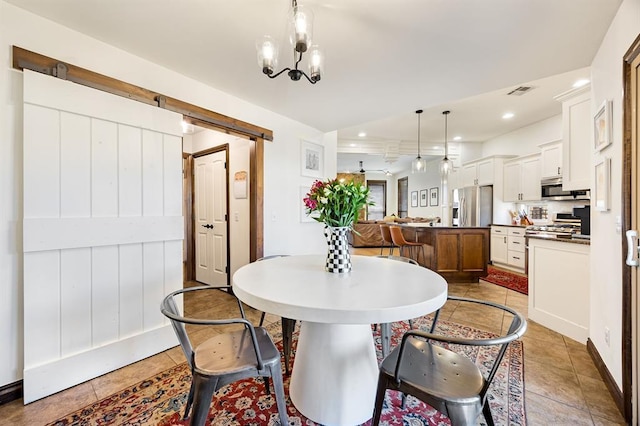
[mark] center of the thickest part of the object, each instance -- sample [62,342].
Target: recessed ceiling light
[353,144]
[508,115]
[362,134]
[436,147]
[581,82]
[457,138]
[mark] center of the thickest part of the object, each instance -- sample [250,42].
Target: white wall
[283,230]
[526,139]
[606,242]
[425,181]
[392,189]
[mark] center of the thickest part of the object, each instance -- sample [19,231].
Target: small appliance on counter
[584,213]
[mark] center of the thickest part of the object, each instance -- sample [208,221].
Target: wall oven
[551,190]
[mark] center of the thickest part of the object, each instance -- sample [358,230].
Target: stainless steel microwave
[552,191]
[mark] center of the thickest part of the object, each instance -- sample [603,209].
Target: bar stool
[398,240]
[386,239]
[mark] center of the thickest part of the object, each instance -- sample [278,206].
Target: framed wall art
[414,198]
[423,198]
[602,126]
[312,159]
[603,182]
[433,197]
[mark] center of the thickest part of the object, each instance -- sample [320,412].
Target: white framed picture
[312,159]
[603,181]
[602,126]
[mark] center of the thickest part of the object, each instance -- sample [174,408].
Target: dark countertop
[420,225]
[582,241]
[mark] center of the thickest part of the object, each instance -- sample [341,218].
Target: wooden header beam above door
[23,58]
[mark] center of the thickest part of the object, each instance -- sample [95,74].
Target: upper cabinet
[522,179]
[576,138]
[482,172]
[551,160]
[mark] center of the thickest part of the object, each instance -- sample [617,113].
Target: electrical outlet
[236,216]
[607,336]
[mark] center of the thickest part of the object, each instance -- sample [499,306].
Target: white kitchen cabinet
[507,247]
[522,179]
[559,286]
[469,174]
[485,171]
[515,248]
[499,236]
[577,125]
[551,160]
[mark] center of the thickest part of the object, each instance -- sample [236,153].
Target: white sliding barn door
[210,204]
[102,231]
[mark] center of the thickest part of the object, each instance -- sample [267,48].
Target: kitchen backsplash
[544,212]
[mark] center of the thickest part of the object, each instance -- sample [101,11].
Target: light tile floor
[562,385]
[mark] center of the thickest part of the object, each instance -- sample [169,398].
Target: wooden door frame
[193,114]
[406,178]
[625,402]
[382,182]
[191,261]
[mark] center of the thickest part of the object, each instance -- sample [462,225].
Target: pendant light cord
[419,112]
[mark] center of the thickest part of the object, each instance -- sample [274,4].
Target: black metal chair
[225,358]
[288,326]
[385,329]
[448,381]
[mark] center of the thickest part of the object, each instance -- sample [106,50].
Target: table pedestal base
[335,373]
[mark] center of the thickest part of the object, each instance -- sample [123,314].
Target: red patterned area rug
[510,280]
[160,400]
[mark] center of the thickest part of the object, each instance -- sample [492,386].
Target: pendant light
[445,164]
[419,164]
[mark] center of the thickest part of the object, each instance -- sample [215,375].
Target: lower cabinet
[508,247]
[459,254]
[559,286]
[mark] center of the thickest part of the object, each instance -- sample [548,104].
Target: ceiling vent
[519,91]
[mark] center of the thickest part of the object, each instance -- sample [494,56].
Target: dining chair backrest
[448,381]
[386,234]
[225,357]
[396,236]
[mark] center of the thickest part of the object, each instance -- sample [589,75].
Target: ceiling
[384,59]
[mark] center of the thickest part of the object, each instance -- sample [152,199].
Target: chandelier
[419,164]
[300,33]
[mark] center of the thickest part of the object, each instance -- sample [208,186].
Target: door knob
[208,226]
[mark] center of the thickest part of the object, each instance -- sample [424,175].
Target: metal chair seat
[233,354]
[437,375]
[449,382]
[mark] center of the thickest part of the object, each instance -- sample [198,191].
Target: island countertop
[427,225]
[459,254]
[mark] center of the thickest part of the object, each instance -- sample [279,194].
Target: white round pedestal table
[335,371]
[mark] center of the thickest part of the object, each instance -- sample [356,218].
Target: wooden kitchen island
[459,254]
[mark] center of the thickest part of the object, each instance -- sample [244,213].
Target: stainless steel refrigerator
[475,205]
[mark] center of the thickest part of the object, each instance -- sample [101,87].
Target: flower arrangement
[336,203]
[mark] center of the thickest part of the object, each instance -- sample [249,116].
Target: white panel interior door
[211,218]
[102,231]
